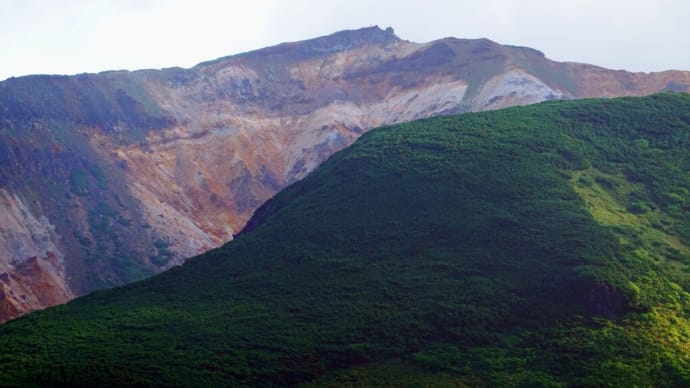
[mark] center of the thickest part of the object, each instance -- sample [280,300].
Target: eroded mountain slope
[134,171]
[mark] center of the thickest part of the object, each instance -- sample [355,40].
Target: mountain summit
[337,42]
[107,178]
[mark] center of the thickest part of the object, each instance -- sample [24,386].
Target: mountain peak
[348,39]
[328,44]
[337,41]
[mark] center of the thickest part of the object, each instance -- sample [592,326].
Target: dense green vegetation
[533,246]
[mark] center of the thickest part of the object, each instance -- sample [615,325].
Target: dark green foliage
[163,253]
[483,249]
[638,207]
[80,182]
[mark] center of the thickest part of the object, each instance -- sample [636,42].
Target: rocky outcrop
[128,173]
[32,269]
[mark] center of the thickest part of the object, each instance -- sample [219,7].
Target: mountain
[111,177]
[545,245]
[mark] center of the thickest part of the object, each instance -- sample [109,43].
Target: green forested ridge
[533,246]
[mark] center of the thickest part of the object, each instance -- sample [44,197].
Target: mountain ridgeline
[545,245]
[111,177]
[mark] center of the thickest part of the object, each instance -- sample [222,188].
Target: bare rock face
[32,272]
[106,178]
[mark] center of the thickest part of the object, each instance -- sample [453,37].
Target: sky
[77,36]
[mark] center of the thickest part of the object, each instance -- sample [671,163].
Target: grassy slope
[535,245]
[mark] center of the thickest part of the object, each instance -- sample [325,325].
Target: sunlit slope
[535,245]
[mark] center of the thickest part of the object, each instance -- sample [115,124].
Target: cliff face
[106,178]
[32,272]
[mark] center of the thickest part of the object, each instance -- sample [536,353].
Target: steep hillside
[114,176]
[535,246]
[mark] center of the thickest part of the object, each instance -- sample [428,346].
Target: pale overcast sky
[76,36]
